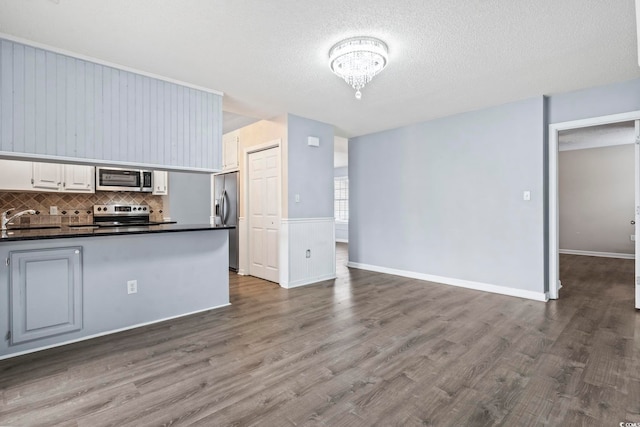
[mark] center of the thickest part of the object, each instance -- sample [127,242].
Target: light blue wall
[190,197]
[310,171]
[444,197]
[595,102]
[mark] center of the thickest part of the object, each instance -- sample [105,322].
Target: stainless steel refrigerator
[226,210]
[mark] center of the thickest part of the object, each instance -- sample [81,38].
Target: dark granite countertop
[91,231]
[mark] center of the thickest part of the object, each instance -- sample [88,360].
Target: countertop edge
[71,233]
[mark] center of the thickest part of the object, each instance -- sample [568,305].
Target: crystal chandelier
[357,60]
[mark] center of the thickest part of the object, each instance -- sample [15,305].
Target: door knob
[633,222]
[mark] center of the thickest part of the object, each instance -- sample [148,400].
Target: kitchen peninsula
[68,284]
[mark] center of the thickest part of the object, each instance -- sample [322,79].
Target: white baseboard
[342,241]
[598,254]
[310,281]
[114,331]
[520,293]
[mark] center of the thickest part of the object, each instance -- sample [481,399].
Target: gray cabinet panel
[58,106]
[45,293]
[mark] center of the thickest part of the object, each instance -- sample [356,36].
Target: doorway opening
[341,199]
[590,211]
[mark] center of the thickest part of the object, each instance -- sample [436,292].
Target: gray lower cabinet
[45,293]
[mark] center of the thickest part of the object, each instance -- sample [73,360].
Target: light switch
[297,198]
[313,141]
[526,195]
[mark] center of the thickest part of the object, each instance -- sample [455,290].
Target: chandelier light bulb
[357,60]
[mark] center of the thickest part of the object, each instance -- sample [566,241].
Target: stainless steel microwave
[116,179]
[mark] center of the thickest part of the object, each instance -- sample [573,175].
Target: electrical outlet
[308,253]
[53,210]
[132,287]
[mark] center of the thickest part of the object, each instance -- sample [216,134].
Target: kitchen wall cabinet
[230,145]
[16,175]
[47,176]
[45,293]
[78,179]
[63,178]
[56,106]
[160,183]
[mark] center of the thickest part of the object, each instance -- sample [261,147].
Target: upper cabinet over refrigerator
[230,146]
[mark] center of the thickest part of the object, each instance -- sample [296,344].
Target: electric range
[123,216]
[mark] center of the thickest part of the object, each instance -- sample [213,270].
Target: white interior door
[637,216]
[264,213]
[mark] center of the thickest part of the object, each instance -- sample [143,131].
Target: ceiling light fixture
[357,60]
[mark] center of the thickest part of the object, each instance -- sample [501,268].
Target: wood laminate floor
[367,349]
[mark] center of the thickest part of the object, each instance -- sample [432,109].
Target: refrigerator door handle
[226,204]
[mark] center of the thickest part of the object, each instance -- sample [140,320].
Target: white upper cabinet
[65,178]
[18,175]
[57,106]
[160,183]
[78,179]
[15,175]
[230,146]
[47,176]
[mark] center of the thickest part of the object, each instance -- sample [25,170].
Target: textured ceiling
[270,57]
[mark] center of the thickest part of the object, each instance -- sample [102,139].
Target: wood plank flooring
[366,349]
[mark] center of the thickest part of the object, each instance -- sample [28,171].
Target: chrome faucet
[6,220]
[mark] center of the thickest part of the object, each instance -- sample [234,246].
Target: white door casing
[637,213]
[553,241]
[264,213]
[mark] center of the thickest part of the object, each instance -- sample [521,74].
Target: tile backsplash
[74,208]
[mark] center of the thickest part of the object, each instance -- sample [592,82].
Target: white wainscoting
[598,254]
[297,235]
[521,293]
[243,243]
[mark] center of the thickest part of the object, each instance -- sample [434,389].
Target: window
[341,198]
